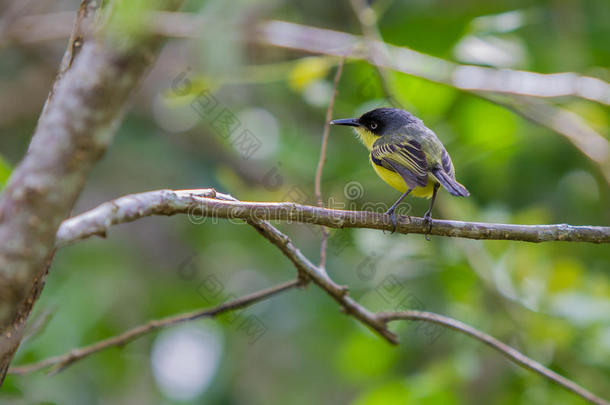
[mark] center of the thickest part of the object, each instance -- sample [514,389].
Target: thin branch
[513,355]
[466,77]
[308,271]
[322,161]
[348,305]
[74,355]
[201,204]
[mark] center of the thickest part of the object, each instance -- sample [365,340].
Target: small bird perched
[406,155]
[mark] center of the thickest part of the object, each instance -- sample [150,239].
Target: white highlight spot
[263,125]
[185,360]
[318,93]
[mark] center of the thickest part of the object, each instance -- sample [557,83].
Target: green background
[550,300]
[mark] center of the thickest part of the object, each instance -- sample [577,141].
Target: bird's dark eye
[373,125]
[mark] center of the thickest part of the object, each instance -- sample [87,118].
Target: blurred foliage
[551,300]
[5,171]
[127,22]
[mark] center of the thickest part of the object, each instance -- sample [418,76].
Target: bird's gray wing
[447,164]
[404,156]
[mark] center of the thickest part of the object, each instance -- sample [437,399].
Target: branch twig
[320,278]
[507,351]
[466,77]
[322,161]
[74,355]
[308,271]
[201,204]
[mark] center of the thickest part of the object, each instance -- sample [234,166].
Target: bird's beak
[350,122]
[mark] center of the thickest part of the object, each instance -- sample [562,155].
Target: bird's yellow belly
[394,180]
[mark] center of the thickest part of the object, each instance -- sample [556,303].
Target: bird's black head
[380,121]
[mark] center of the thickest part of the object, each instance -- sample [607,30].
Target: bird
[407,155]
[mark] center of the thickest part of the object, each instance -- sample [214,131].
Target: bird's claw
[392,215]
[428,221]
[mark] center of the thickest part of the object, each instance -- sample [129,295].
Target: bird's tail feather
[450,184]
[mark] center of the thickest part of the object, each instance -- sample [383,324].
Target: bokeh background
[550,300]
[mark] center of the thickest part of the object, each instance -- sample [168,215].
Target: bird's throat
[366,136]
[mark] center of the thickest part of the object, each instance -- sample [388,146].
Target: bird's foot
[428,221]
[392,215]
